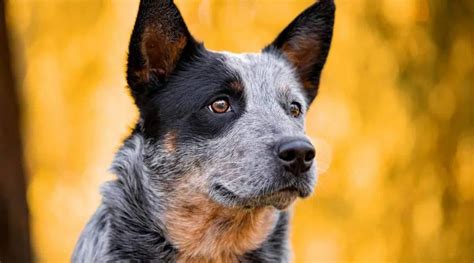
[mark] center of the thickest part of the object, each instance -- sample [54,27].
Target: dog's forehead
[265,76]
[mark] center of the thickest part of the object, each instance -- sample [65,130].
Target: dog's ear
[305,43]
[159,39]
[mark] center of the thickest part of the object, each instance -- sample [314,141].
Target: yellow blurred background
[393,122]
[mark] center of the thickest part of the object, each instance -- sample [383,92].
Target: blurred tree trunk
[14,224]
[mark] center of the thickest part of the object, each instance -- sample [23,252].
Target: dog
[219,151]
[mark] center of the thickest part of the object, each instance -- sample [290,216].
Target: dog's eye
[220,106]
[295,109]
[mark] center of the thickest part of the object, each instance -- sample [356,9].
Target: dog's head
[230,126]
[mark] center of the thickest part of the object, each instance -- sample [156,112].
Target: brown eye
[295,109]
[220,106]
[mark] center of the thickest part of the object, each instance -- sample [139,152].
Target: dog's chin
[280,198]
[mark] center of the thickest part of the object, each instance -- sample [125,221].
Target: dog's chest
[203,231]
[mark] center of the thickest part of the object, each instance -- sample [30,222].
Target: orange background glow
[393,122]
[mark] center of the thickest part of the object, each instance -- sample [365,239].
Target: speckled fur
[193,186]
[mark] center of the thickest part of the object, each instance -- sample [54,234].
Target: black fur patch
[181,104]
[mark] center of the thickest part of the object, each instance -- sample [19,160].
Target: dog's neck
[204,231]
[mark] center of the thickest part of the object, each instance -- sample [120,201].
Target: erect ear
[159,39]
[305,43]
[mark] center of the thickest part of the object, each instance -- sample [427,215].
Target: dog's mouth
[279,198]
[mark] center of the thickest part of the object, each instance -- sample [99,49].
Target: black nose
[296,154]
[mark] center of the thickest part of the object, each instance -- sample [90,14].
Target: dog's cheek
[244,169]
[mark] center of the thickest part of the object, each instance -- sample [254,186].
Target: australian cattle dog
[219,151]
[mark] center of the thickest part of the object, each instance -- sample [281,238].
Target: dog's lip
[280,199]
[288,193]
[224,191]
[289,189]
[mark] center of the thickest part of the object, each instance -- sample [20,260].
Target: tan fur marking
[302,54]
[236,85]
[204,231]
[169,141]
[160,51]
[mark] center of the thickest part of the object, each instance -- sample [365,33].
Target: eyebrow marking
[236,86]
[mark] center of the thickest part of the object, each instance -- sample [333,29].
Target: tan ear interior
[303,53]
[160,51]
